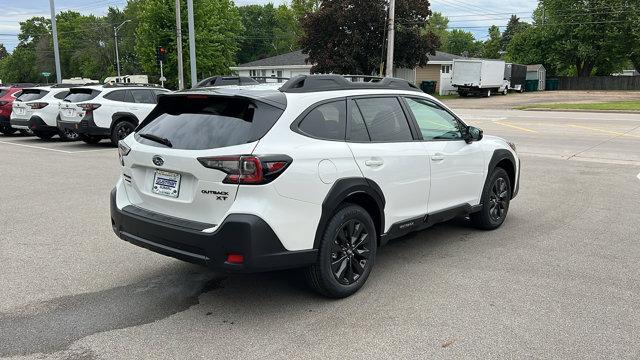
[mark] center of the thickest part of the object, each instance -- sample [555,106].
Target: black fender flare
[122,115]
[498,156]
[342,189]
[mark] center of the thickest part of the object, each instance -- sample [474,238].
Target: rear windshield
[31,94]
[208,122]
[79,95]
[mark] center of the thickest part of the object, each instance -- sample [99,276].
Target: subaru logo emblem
[158,160]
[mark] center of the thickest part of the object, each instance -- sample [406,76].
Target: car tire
[346,254]
[44,135]
[89,139]
[7,130]
[496,197]
[121,130]
[68,135]
[27,132]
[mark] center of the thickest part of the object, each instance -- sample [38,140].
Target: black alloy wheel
[346,253]
[496,197]
[350,252]
[499,199]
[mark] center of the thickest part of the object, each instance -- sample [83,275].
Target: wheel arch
[504,159]
[124,116]
[358,191]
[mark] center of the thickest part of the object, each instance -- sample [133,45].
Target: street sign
[46,74]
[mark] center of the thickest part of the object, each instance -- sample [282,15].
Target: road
[559,280]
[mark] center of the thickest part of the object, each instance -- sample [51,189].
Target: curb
[581,110]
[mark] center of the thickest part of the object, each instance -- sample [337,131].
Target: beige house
[437,69]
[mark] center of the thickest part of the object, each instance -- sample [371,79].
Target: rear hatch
[70,107]
[165,169]
[24,106]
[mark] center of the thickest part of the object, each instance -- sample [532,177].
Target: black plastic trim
[124,115]
[419,223]
[187,224]
[243,234]
[37,124]
[342,189]
[499,155]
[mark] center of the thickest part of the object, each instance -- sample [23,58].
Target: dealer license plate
[166,183]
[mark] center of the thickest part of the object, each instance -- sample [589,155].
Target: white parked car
[317,173]
[107,112]
[36,110]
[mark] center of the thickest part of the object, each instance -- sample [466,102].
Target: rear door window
[326,121]
[143,96]
[80,95]
[385,119]
[117,95]
[32,94]
[208,122]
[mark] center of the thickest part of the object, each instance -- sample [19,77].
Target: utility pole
[391,38]
[54,31]
[179,46]
[192,45]
[115,31]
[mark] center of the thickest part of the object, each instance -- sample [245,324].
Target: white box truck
[479,77]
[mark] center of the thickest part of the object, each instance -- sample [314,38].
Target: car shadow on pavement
[53,325]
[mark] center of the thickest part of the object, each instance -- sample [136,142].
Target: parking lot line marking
[603,131]
[35,147]
[514,126]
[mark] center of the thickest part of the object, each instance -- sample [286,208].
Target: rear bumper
[243,234]
[20,123]
[5,122]
[86,126]
[37,124]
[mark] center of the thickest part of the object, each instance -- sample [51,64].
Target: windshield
[208,122]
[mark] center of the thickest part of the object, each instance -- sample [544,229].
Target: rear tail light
[235,258]
[37,105]
[248,169]
[88,106]
[123,150]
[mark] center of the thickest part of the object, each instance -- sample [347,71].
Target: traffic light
[161,54]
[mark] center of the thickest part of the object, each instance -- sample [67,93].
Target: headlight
[512,145]
[123,150]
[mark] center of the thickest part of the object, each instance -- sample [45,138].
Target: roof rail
[265,79]
[115,84]
[68,86]
[314,83]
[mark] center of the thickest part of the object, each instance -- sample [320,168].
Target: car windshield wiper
[158,139]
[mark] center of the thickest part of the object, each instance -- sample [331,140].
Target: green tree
[19,66]
[268,31]
[463,43]
[492,46]
[513,26]
[588,37]
[347,36]
[218,28]
[303,7]
[438,25]
[3,51]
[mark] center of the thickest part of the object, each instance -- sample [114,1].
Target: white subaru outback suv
[107,112]
[36,109]
[317,174]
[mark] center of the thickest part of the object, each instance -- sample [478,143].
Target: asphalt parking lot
[560,279]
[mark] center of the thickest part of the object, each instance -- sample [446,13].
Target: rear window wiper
[158,139]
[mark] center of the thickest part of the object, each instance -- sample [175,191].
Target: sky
[471,15]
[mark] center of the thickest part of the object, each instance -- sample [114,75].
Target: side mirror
[473,134]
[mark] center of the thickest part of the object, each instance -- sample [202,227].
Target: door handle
[374,163]
[437,157]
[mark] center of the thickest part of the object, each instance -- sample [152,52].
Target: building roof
[292,58]
[443,56]
[535,67]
